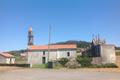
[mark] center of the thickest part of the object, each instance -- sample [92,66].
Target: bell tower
[30,37]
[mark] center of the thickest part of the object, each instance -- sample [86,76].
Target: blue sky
[70,20]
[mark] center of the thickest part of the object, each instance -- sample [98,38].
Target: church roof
[7,55]
[53,47]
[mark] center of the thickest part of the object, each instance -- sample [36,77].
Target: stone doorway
[43,60]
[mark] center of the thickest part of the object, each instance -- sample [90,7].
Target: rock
[72,63]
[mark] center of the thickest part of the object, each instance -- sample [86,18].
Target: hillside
[80,44]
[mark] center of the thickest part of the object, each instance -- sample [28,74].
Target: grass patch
[39,66]
[20,60]
[45,66]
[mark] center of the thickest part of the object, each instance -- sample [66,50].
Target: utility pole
[49,42]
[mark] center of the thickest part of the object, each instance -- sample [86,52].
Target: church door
[43,60]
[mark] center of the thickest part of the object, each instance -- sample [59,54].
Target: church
[44,53]
[101,52]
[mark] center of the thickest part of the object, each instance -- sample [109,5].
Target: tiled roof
[53,47]
[7,55]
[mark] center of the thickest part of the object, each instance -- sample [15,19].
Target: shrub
[108,65]
[63,61]
[17,65]
[85,61]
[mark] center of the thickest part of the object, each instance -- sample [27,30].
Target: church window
[68,54]
[43,52]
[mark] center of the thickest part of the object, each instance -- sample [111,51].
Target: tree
[85,61]
[63,61]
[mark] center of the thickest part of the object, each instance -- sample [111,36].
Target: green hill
[80,44]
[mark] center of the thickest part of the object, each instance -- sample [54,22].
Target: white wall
[35,57]
[2,59]
[63,53]
[12,60]
[7,60]
[108,54]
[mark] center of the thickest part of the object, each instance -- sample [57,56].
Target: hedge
[17,65]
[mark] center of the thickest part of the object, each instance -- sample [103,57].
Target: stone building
[43,54]
[40,54]
[101,52]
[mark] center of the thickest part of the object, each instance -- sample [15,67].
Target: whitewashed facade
[40,56]
[6,58]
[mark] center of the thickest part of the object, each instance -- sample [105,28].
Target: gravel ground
[62,74]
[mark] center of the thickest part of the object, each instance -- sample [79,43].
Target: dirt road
[62,74]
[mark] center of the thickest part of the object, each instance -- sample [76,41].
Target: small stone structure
[101,52]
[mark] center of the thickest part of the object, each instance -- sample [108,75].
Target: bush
[85,61]
[108,65]
[63,61]
[17,65]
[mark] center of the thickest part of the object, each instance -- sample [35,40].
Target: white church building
[101,53]
[40,54]
[44,53]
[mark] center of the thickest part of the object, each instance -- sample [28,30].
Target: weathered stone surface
[108,54]
[72,63]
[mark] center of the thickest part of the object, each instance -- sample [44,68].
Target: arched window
[68,54]
[43,52]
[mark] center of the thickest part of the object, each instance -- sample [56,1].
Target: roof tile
[7,55]
[53,47]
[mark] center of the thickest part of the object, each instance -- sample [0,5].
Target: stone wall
[118,60]
[96,60]
[35,57]
[108,54]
